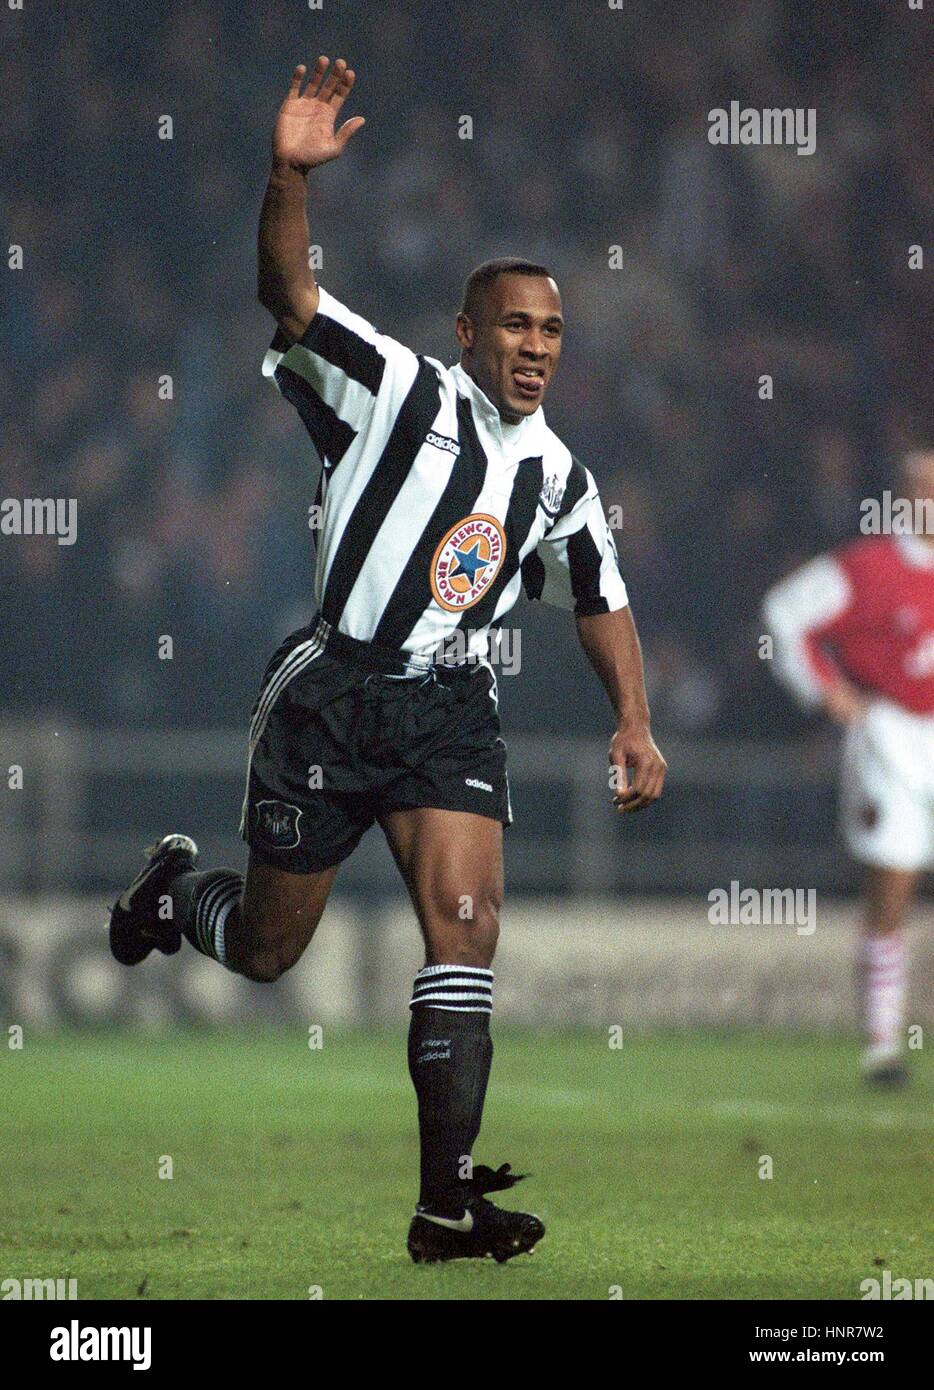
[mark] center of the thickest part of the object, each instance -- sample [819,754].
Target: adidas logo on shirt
[441,441]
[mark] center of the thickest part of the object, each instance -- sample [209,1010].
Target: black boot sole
[431,1244]
[130,942]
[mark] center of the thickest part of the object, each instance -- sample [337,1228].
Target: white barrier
[643,963]
[730,809]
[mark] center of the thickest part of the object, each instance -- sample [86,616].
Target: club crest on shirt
[277,823]
[552,494]
[467,560]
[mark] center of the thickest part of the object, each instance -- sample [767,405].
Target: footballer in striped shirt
[443,497]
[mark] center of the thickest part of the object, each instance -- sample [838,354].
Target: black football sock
[450,1053]
[205,904]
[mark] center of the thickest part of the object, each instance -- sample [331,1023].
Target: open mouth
[530,381]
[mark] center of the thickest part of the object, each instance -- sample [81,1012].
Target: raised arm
[304,137]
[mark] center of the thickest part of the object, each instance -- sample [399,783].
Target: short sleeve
[336,372]
[576,565]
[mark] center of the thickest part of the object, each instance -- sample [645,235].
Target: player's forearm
[285,283]
[611,643]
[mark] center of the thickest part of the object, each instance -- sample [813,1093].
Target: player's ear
[465,331]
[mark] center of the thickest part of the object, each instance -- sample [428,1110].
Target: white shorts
[887,788]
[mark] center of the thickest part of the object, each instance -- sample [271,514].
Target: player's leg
[452,863]
[886,823]
[258,927]
[882,968]
[298,833]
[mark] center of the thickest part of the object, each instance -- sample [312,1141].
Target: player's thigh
[885,820]
[889,894]
[280,910]
[452,863]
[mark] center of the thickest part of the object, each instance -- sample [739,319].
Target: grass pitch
[294,1169]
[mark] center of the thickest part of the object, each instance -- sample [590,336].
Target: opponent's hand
[845,704]
[304,134]
[635,750]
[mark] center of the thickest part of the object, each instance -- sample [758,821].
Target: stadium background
[589,131]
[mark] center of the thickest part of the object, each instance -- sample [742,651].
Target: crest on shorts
[277,823]
[466,562]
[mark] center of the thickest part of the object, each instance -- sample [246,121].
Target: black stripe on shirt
[331,435]
[520,515]
[533,575]
[346,350]
[416,416]
[412,594]
[584,564]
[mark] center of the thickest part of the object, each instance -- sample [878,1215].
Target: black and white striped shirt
[436,513]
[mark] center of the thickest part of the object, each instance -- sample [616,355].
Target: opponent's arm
[612,646]
[304,137]
[801,611]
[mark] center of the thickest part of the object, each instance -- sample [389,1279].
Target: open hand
[304,134]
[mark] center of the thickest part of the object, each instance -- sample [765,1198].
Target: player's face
[512,348]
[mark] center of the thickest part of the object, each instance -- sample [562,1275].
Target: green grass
[295,1167]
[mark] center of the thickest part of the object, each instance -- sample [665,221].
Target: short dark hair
[480,279]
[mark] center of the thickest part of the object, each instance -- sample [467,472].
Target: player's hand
[634,750]
[845,704]
[304,134]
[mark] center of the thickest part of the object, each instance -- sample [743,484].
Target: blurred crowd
[589,131]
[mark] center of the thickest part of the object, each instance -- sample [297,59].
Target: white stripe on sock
[459,988]
[884,977]
[212,913]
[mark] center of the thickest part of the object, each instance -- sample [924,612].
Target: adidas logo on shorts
[475,782]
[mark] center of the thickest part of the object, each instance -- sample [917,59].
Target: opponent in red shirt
[853,634]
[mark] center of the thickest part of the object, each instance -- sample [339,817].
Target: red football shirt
[866,610]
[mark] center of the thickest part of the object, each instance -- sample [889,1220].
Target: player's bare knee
[262,954]
[484,922]
[465,931]
[266,964]
[262,969]
[275,930]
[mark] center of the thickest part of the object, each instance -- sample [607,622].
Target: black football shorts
[333,745]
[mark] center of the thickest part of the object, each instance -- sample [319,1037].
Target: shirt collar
[468,387]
